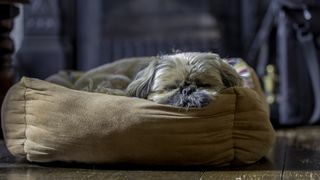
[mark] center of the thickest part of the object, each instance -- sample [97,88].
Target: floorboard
[302,153]
[295,155]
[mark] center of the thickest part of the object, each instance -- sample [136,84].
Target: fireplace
[82,34]
[144,28]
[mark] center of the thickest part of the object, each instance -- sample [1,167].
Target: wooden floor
[296,155]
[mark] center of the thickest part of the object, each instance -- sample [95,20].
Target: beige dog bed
[46,122]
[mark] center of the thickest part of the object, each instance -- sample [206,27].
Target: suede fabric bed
[45,122]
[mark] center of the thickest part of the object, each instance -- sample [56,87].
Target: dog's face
[184,79]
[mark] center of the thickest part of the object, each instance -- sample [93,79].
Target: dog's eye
[205,85]
[202,84]
[170,87]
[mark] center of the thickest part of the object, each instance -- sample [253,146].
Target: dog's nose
[187,90]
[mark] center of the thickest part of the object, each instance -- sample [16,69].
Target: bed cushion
[45,122]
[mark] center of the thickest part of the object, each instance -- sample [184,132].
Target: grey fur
[141,85]
[229,76]
[184,79]
[196,99]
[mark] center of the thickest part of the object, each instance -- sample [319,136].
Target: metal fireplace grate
[130,28]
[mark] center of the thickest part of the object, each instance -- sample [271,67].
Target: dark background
[82,34]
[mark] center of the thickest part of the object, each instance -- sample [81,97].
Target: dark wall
[82,34]
[148,28]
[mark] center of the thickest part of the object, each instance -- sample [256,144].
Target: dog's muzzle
[190,96]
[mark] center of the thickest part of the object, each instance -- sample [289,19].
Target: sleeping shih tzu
[189,80]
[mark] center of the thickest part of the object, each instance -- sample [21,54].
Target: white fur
[200,74]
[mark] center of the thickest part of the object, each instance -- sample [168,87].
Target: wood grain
[295,155]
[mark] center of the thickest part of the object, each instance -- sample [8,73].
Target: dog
[188,80]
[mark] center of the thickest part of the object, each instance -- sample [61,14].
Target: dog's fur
[184,79]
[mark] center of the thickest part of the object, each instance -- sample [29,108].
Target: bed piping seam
[25,118]
[234,118]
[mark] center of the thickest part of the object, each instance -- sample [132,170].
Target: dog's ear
[229,75]
[141,85]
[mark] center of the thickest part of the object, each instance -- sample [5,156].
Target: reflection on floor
[296,155]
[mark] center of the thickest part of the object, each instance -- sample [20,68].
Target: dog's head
[184,79]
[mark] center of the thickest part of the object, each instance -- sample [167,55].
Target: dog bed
[44,122]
